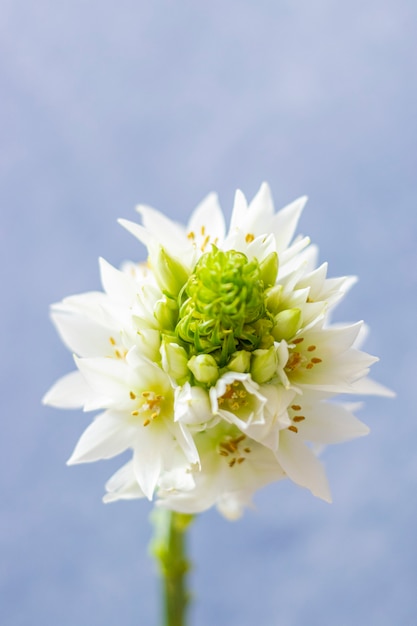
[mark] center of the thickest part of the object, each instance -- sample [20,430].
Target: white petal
[163,231]
[239,211]
[137,231]
[232,505]
[110,378]
[261,207]
[69,392]
[301,465]
[208,220]
[328,423]
[123,485]
[118,285]
[83,336]
[185,441]
[367,386]
[107,436]
[90,304]
[147,463]
[285,222]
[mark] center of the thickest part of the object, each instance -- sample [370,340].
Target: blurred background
[106,105]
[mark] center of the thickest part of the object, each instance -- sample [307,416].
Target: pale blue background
[104,105]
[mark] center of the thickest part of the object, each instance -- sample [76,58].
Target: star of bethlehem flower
[214,362]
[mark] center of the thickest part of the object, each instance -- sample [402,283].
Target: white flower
[233,468]
[313,420]
[139,400]
[215,361]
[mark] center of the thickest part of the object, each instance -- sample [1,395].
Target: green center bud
[222,303]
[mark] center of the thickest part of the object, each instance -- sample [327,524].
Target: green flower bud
[166,313]
[264,365]
[273,299]
[204,368]
[221,302]
[269,270]
[169,272]
[239,362]
[174,360]
[287,323]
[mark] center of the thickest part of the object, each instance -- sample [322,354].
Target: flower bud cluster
[214,362]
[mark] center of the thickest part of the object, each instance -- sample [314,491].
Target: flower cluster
[214,362]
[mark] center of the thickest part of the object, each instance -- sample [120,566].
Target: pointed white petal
[164,231]
[239,211]
[367,386]
[118,285]
[69,392]
[137,231]
[107,436]
[110,378]
[328,423]
[301,465]
[285,222]
[123,485]
[147,463]
[83,336]
[207,220]
[262,206]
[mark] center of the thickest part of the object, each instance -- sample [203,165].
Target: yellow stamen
[294,361]
[204,244]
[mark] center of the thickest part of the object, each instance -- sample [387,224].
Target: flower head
[214,362]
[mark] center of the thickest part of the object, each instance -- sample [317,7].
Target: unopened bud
[204,368]
[169,272]
[239,362]
[287,323]
[263,365]
[269,270]
[273,299]
[166,313]
[174,360]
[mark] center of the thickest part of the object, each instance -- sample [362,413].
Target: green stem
[169,549]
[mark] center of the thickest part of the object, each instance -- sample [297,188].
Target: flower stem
[169,549]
